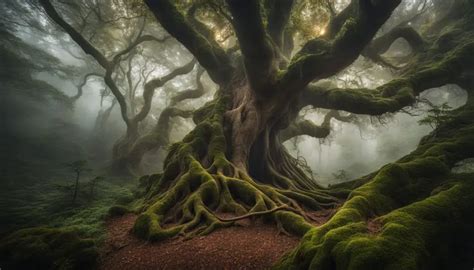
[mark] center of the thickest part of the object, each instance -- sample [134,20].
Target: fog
[41,131]
[362,149]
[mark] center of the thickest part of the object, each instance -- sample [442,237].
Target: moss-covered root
[413,214]
[435,233]
[47,248]
[199,187]
[193,205]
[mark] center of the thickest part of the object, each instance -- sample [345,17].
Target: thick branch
[304,127]
[278,16]
[320,59]
[307,127]
[199,26]
[337,21]
[91,50]
[257,50]
[397,94]
[134,44]
[212,58]
[74,34]
[190,93]
[381,44]
[159,136]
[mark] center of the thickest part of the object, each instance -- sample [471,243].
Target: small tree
[437,115]
[341,175]
[94,182]
[78,167]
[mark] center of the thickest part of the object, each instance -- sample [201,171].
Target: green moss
[118,210]
[293,223]
[424,212]
[47,248]
[49,204]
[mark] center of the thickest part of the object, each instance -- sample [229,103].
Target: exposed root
[189,208]
[260,213]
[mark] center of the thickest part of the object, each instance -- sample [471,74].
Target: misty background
[40,132]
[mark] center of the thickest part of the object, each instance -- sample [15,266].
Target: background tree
[78,166]
[93,183]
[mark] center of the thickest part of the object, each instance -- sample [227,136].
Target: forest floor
[253,245]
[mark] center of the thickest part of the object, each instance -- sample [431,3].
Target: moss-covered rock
[47,248]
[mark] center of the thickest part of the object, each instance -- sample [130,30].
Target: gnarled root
[199,185]
[192,206]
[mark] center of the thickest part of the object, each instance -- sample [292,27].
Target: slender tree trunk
[121,149]
[76,187]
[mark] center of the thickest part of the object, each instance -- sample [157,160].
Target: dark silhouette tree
[78,166]
[93,183]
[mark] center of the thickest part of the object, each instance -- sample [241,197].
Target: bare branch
[91,50]
[83,83]
[152,85]
[74,34]
[109,66]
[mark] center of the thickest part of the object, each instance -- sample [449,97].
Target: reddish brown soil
[256,246]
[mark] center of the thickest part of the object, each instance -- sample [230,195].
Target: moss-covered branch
[320,58]
[381,44]
[212,58]
[278,14]
[307,127]
[397,94]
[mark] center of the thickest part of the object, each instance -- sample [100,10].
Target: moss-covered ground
[416,213]
[41,228]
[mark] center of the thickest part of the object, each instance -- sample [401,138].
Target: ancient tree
[234,162]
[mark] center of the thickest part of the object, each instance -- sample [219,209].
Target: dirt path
[257,246]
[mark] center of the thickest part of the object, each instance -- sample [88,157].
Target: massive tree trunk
[233,163]
[254,123]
